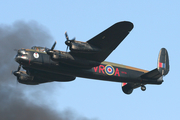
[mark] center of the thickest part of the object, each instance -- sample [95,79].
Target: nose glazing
[21,56]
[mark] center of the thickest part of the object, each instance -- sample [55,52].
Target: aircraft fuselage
[36,60]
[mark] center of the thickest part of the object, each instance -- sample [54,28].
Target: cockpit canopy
[39,49]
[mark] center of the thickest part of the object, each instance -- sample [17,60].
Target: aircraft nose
[21,56]
[17,58]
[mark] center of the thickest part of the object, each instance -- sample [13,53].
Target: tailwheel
[143,88]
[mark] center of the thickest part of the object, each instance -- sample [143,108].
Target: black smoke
[15,104]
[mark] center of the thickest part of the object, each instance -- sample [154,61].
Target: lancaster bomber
[87,60]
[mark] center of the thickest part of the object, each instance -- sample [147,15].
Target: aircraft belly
[105,72]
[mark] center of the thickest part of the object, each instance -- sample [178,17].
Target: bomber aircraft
[86,59]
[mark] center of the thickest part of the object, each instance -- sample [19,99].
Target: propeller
[68,42]
[16,72]
[50,51]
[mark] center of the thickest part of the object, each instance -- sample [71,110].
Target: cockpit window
[39,49]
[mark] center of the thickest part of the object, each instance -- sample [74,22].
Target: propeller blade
[16,73]
[16,83]
[19,68]
[67,48]
[50,51]
[52,48]
[67,38]
[73,39]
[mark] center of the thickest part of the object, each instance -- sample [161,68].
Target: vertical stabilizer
[163,62]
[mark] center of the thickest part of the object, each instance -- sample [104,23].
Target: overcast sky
[156,25]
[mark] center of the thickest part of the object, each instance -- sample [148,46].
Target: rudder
[163,62]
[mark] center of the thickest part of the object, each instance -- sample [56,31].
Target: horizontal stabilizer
[154,74]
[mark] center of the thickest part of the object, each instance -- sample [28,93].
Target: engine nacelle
[24,78]
[126,88]
[82,47]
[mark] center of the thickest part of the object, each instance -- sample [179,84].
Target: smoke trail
[19,35]
[14,103]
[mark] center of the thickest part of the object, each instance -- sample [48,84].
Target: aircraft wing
[107,41]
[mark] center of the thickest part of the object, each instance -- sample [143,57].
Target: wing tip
[125,24]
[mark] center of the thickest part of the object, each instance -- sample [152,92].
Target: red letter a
[117,72]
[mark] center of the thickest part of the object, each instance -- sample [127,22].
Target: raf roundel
[109,70]
[36,55]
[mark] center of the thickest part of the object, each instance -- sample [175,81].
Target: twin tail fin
[162,66]
[163,62]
